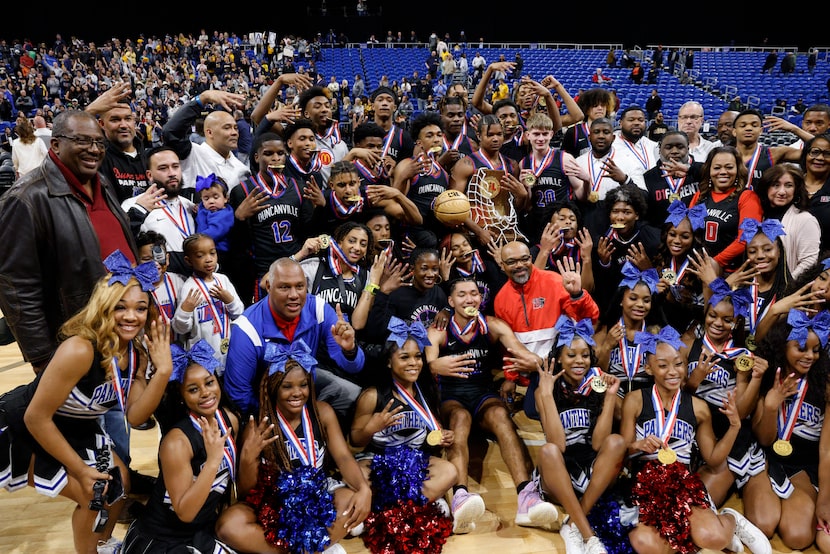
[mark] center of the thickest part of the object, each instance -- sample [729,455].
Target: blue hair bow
[122,271]
[772,228]
[801,324]
[203,183]
[399,332]
[632,276]
[825,264]
[696,214]
[278,354]
[568,329]
[201,353]
[649,341]
[741,297]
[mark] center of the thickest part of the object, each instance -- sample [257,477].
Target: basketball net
[492,206]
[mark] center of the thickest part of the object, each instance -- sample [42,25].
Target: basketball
[451,208]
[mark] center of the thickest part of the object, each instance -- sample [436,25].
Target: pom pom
[604,518]
[294,508]
[398,475]
[665,495]
[407,527]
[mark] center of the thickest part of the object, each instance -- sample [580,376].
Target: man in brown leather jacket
[57,224]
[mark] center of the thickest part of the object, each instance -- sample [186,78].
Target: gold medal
[674,196]
[436,150]
[435,437]
[353,199]
[490,187]
[529,179]
[744,362]
[666,456]
[618,225]
[470,311]
[224,346]
[750,342]
[669,276]
[782,447]
[593,197]
[598,385]
[324,241]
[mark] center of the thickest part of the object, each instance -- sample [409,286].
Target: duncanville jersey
[424,189]
[722,221]
[760,161]
[478,346]
[551,186]
[575,141]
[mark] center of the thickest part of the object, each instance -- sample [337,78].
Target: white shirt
[701,151]
[27,157]
[636,159]
[174,224]
[204,160]
[593,166]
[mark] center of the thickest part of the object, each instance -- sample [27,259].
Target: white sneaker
[533,511]
[572,539]
[466,508]
[594,546]
[336,548]
[443,507]
[748,534]
[357,530]
[109,546]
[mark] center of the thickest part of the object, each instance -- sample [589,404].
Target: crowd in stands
[320,325]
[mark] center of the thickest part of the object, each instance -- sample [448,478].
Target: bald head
[287,288]
[221,132]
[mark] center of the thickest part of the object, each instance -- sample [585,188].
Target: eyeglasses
[816,152]
[693,117]
[85,142]
[513,262]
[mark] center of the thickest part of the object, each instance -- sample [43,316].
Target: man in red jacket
[533,299]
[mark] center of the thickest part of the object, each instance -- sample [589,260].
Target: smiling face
[406,363]
[287,290]
[354,245]
[293,392]
[667,366]
[680,238]
[762,253]
[719,321]
[636,303]
[425,272]
[130,314]
[782,192]
[200,391]
[724,171]
[575,360]
[800,360]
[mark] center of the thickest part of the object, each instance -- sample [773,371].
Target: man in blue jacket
[287,314]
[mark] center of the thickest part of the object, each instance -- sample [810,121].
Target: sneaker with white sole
[109,546]
[572,539]
[533,511]
[357,530]
[594,546]
[466,508]
[751,536]
[443,507]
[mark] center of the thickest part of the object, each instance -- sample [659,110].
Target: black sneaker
[141,484]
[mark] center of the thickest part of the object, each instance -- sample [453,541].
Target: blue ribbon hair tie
[678,212]
[741,297]
[399,332]
[147,274]
[569,329]
[632,276]
[801,325]
[203,183]
[649,341]
[278,355]
[772,228]
[201,353]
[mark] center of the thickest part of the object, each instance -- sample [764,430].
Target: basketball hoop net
[492,206]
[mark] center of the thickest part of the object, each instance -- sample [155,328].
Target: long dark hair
[741,180]
[769,178]
[426,382]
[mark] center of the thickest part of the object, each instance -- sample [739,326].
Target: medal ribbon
[332,135]
[674,184]
[457,140]
[585,386]
[120,392]
[343,209]
[630,366]
[586,132]
[478,320]
[366,173]
[598,173]
[221,321]
[639,152]
[337,259]
[279,183]
[315,164]
[171,295]
[486,161]
[477,267]
[419,407]
[788,417]
[182,223]
[308,456]
[537,169]
[229,450]
[678,272]
[387,140]
[729,352]
[753,161]
[665,423]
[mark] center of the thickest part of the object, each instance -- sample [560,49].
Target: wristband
[199,101]
[372,288]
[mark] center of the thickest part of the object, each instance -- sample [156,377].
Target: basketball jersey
[424,189]
[478,346]
[722,223]
[757,164]
[551,186]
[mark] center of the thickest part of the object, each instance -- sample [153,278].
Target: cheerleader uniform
[616,367]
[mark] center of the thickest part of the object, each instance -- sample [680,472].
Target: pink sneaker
[533,511]
[466,508]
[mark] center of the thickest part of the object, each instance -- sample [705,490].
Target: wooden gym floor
[32,523]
